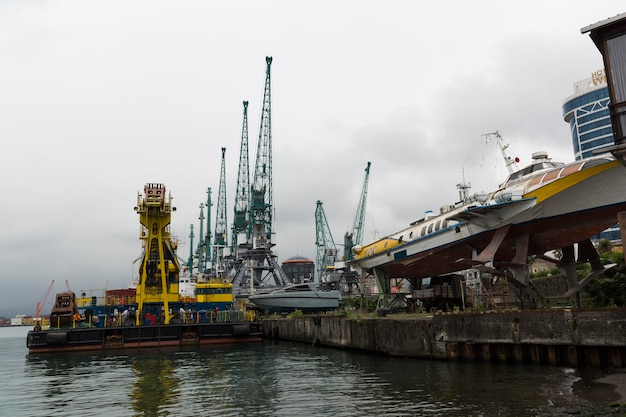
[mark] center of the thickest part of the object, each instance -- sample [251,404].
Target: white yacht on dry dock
[307,297]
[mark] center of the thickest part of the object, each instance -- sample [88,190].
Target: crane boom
[242,193]
[261,198]
[43,301]
[220,237]
[206,244]
[355,236]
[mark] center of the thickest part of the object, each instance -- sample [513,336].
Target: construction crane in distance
[43,301]
[324,242]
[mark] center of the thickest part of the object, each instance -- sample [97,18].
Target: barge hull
[83,339]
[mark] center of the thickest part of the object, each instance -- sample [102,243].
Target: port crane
[260,213]
[324,242]
[242,194]
[201,242]
[190,259]
[328,267]
[258,265]
[220,236]
[354,236]
[205,244]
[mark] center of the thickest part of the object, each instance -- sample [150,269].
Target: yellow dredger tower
[159,269]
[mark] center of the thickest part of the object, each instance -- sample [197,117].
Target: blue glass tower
[587,112]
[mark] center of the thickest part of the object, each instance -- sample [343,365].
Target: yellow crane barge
[156,316]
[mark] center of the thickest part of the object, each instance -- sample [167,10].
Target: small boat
[307,297]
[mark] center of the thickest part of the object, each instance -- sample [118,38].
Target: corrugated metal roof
[602,23]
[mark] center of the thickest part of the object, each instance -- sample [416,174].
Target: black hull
[63,340]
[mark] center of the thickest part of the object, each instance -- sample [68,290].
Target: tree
[609,290]
[605,246]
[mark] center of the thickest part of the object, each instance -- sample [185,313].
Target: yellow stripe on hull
[555,187]
[376,247]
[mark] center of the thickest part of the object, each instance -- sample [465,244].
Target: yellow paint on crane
[159,268]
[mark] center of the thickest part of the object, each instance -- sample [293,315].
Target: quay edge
[560,337]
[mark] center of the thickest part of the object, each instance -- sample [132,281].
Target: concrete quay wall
[560,337]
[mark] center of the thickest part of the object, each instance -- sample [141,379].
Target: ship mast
[508,161]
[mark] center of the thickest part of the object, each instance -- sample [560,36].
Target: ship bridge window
[438,224]
[423,231]
[400,239]
[430,227]
[411,235]
[551,175]
[534,168]
[444,224]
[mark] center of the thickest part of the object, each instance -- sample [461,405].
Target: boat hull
[135,337]
[308,303]
[560,213]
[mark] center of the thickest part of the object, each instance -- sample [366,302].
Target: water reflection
[156,386]
[287,379]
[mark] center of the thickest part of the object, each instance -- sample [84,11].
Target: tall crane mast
[206,244]
[201,242]
[260,224]
[190,260]
[242,194]
[354,236]
[220,236]
[326,248]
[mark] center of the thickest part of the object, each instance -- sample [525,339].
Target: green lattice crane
[261,198]
[255,263]
[242,193]
[326,248]
[354,236]
[220,235]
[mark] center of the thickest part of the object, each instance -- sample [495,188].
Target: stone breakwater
[560,337]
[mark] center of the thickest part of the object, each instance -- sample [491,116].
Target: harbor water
[278,379]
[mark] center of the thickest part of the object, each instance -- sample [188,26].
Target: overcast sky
[98,98]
